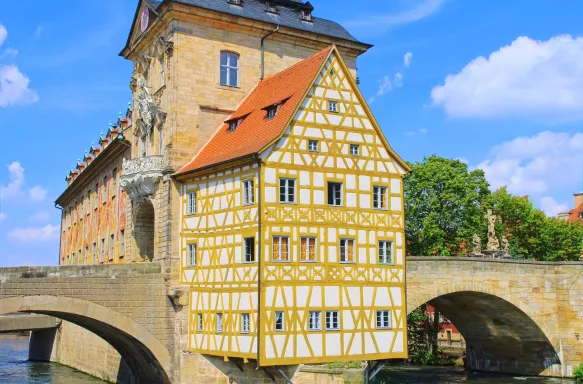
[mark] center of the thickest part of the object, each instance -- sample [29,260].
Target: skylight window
[270,7]
[234,2]
[306,15]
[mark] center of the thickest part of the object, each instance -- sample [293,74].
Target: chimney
[578,199]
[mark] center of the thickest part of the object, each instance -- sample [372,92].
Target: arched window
[229,69]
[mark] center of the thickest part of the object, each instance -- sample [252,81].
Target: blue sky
[496,83]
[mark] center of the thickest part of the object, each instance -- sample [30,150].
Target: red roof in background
[575,214]
[255,131]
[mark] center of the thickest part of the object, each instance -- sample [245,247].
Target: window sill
[288,202]
[244,332]
[333,330]
[233,88]
[280,261]
[249,262]
[309,261]
[248,204]
[384,328]
[348,262]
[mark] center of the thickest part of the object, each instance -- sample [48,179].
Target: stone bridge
[516,316]
[126,305]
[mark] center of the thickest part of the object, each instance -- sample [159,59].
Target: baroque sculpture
[146,106]
[493,243]
[476,245]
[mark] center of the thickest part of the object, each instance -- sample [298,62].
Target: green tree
[531,233]
[442,206]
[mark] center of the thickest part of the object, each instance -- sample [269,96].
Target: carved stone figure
[493,243]
[505,246]
[476,245]
[140,177]
[146,107]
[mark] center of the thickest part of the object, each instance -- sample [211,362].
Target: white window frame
[229,68]
[337,201]
[248,252]
[383,319]
[244,323]
[191,203]
[287,184]
[191,255]
[384,246]
[309,239]
[248,192]
[332,320]
[199,322]
[219,322]
[332,106]
[315,321]
[311,144]
[344,247]
[354,150]
[380,197]
[279,251]
[279,315]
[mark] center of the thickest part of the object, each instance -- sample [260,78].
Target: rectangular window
[86,255]
[199,322]
[94,259]
[333,106]
[354,149]
[279,321]
[271,113]
[346,250]
[79,257]
[315,320]
[114,182]
[248,192]
[122,243]
[384,319]
[82,208]
[332,320]
[287,190]
[334,193]
[229,69]
[75,214]
[219,322]
[102,251]
[96,200]
[249,250]
[313,145]
[385,252]
[191,255]
[111,247]
[244,323]
[280,248]
[161,61]
[105,193]
[380,197]
[191,209]
[88,202]
[308,249]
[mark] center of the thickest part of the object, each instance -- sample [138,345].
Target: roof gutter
[263,51]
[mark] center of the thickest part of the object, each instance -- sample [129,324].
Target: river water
[15,369]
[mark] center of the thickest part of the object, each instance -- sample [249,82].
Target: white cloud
[528,78]
[16,177]
[14,87]
[385,87]
[40,217]
[536,164]
[398,80]
[37,194]
[9,52]
[3,34]
[551,207]
[419,10]
[407,59]
[35,234]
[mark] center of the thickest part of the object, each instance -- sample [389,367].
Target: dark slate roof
[288,16]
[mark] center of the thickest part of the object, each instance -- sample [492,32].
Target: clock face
[144,19]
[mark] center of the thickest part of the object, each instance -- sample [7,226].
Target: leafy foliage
[578,374]
[442,206]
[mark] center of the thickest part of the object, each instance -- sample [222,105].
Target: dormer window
[306,15]
[271,111]
[234,2]
[234,124]
[270,7]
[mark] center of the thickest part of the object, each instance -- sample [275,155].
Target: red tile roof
[575,214]
[255,131]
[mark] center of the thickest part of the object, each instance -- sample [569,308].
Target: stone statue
[505,246]
[476,245]
[493,243]
[146,106]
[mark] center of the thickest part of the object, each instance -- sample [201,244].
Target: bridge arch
[146,356]
[502,332]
